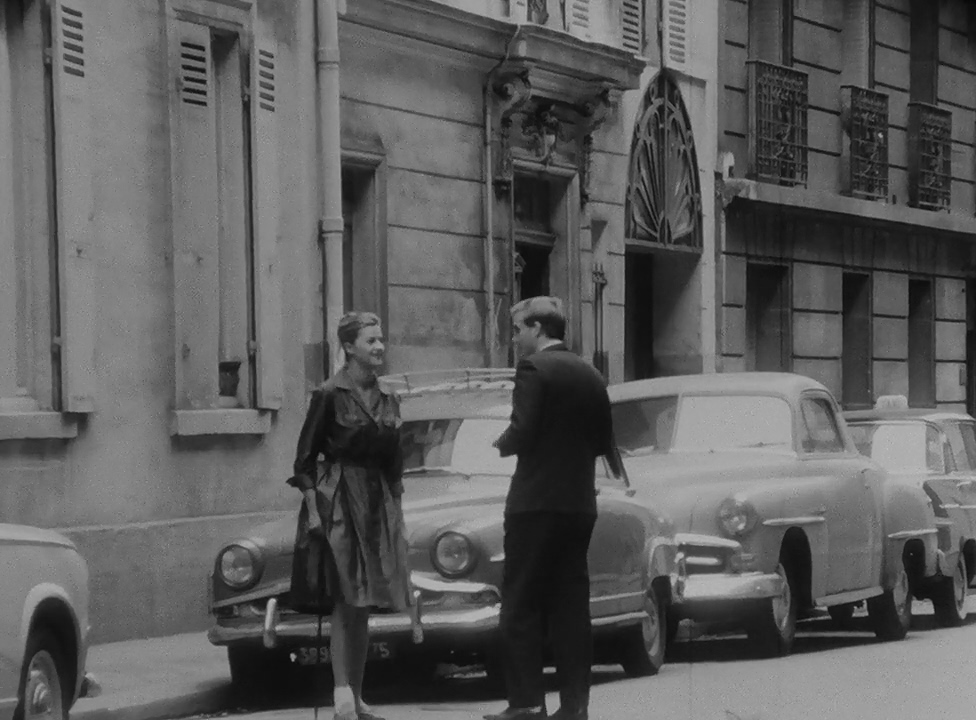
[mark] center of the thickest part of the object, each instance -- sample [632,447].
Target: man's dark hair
[546,312]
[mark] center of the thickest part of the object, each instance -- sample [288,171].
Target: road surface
[832,675]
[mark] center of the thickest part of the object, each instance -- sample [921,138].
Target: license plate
[378,650]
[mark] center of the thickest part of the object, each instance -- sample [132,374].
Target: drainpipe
[330,177]
[491,317]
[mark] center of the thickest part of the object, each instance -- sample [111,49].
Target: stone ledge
[822,201]
[37,425]
[236,421]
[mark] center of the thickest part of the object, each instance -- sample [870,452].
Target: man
[560,424]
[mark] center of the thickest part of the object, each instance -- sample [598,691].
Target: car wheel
[44,691]
[949,599]
[774,631]
[644,646]
[891,613]
[256,673]
[841,614]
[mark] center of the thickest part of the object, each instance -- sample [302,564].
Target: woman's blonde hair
[352,323]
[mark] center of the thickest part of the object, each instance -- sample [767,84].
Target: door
[617,549]
[852,495]
[961,436]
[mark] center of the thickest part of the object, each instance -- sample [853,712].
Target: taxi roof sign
[891,402]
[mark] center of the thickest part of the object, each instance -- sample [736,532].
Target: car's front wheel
[949,599]
[891,612]
[643,646]
[774,630]
[44,691]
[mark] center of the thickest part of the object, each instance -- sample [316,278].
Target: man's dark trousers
[546,592]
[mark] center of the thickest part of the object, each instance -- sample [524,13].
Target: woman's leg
[358,648]
[342,622]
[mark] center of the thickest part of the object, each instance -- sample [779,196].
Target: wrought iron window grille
[865,155]
[929,157]
[778,109]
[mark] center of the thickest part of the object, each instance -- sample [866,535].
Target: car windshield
[902,447]
[459,445]
[704,423]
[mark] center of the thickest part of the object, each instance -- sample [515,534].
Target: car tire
[949,598]
[644,646]
[774,630]
[256,673]
[45,689]
[891,612]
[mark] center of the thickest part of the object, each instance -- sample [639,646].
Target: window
[902,447]
[921,344]
[645,426]
[225,214]
[856,360]
[962,444]
[733,422]
[534,236]
[364,246]
[46,280]
[768,337]
[819,433]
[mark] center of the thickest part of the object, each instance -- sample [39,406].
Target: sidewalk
[156,678]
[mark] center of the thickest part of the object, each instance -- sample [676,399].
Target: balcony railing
[929,156]
[777,123]
[865,156]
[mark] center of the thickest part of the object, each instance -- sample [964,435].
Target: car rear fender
[57,604]
[661,553]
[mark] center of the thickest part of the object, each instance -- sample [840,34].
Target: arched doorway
[663,236]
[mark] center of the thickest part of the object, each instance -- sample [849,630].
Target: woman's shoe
[365,712]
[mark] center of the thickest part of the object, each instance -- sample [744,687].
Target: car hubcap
[651,627]
[782,602]
[42,695]
[900,594]
[959,583]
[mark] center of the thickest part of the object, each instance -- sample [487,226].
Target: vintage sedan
[776,511]
[454,492]
[935,451]
[43,624]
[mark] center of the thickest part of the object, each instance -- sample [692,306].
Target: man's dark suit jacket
[560,424]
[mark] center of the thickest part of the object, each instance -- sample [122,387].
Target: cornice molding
[557,59]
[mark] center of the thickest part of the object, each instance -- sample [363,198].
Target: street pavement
[832,675]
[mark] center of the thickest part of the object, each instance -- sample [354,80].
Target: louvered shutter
[675,34]
[195,219]
[632,26]
[74,207]
[267,276]
[579,18]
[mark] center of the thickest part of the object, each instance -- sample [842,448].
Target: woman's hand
[315,528]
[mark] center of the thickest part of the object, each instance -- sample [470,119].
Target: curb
[211,699]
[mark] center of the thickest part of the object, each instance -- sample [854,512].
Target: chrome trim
[619,620]
[951,506]
[463,587]
[944,522]
[905,534]
[800,520]
[744,586]
[706,541]
[703,561]
[967,507]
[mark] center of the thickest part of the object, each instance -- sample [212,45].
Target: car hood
[690,486]
[28,535]
[430,502]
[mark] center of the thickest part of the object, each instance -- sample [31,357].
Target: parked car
[43,624]
[935,451]
[776,511]
[455,485]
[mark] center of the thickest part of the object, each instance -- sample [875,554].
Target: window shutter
[579,18]
[267,275]
[195,219]
[675,34]
[72,157]
[632,26]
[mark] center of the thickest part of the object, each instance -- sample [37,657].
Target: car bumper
[725,595]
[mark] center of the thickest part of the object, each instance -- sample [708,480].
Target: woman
[350,532]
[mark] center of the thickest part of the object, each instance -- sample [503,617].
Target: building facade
[166,201]
[846,198]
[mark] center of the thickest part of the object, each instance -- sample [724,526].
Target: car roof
[767,383]
[933,414]
[455,393]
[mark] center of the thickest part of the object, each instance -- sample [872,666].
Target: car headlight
[238,566]
[737,516]
[453,555]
